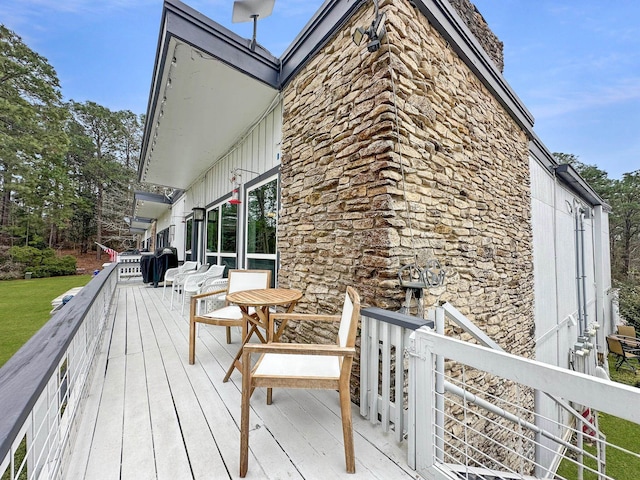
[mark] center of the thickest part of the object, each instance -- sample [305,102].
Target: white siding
[555,279]
[258,151]
[555,265]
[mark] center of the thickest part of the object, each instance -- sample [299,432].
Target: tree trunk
[6,206]
[99,220]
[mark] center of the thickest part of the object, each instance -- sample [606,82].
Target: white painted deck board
[152,415]
[89,408]
[137,445]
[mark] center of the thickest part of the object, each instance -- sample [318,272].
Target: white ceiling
[207,107]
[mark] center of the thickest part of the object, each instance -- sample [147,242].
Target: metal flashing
[142,220]
[330,18]
[573,180]
[151,197]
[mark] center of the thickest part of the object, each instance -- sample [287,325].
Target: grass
[620,465]
[25,307]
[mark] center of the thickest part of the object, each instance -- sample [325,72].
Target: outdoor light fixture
[375,32]
[198,214]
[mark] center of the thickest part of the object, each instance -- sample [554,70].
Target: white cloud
[553,102]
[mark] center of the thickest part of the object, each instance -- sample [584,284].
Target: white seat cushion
[282,365]
[231,312]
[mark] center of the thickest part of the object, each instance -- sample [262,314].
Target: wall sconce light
[198,214]
[375,32]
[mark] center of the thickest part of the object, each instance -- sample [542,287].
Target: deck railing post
[365,347]
[422,401]
[439,385]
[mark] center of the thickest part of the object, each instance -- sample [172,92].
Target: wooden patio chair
[229,315]
[627,331]
[623,351]
[294,365]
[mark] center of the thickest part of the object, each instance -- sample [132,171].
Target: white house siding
[554,253]
[555,282]
[257,151]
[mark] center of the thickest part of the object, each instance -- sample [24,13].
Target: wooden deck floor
[151,415]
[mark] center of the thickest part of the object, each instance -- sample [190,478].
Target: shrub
[42,263]
[55,267]
[30,256]
[630,304]
[10,270]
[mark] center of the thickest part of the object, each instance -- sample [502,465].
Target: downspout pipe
[583,273]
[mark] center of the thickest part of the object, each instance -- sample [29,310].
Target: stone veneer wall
[478,26]
[343,218]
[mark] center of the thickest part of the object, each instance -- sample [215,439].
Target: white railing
[129,267]
[472,421]
[42,385]
[384,338]
[495,428]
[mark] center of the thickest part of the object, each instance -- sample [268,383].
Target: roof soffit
[208,89]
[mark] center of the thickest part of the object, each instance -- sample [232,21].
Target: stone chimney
[478,26]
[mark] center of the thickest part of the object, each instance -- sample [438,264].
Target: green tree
[625,227]
[32,138]
[105,144]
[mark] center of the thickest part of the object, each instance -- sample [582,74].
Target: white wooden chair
[170,274]
[193,283]
[293,365]
[229,315]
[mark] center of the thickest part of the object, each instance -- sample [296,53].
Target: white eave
[149,206]
[203,97]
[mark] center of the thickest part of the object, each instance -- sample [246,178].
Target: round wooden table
[261,300]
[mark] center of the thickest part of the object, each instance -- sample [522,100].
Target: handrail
[557,381]
[26,376]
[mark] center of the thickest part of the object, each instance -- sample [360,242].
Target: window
[222,234]
[187,239]
[262,220]
[162,238]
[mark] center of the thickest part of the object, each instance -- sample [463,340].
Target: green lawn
[620,465]
[25,307]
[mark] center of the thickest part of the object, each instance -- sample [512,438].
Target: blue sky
[575,64]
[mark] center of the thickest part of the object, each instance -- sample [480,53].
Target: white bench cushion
[278,364]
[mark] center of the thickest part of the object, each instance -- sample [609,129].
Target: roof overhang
[140,222]
[573,180]
[208,89]
[565,173]
[148,207]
